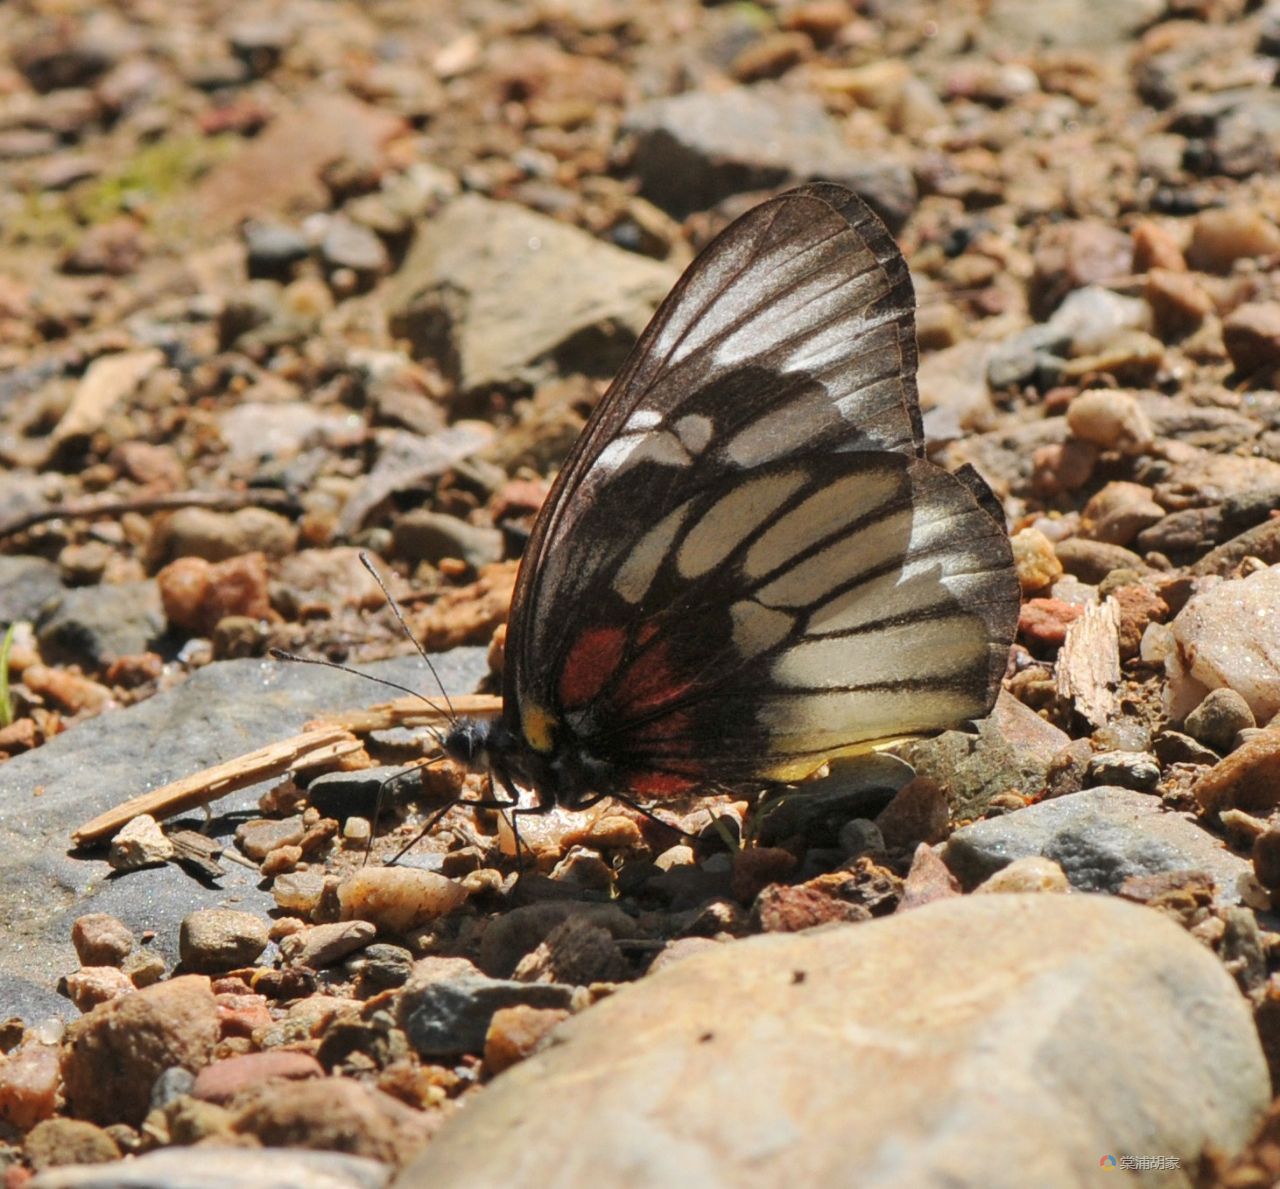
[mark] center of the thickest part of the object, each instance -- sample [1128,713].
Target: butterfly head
[472,742]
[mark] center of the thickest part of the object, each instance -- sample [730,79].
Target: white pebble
[139,844]
[397,898]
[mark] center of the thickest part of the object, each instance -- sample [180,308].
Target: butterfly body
[747,566]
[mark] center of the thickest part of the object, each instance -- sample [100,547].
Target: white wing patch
[925,652]
[810,581]
[695,431]
[626,450]
[728,522]
[832,722]
[821,515]
[636,574]
[756,629]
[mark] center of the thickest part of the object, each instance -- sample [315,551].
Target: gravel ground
[287,282]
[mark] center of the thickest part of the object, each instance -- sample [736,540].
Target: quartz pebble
[1032,874]
[398,898]
[1227,635]
[1110,419]
[140,844]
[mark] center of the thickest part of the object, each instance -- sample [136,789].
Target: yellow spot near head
[538,725]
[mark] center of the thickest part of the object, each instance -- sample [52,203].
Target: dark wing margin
[793,331]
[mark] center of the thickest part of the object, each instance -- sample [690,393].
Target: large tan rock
[980,1041]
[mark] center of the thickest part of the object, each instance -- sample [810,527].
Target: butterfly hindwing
[845,599]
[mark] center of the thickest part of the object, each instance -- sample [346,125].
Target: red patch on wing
[660,784]
[592,660]
[649,682]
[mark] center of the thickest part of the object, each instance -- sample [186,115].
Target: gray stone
[26,585]
[1099,26]
[221,712]
[95,625]
[1099,837]
[1220,718]
[448,1013]
[208,1166]
[1011,752]
[361,793]
[273,249]
[473,295]
[1127,769]
[423,535]
[349,245]
[1014,361]
[694,150]
[902,1051]
[382,965]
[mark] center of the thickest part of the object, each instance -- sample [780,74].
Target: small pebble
[298,891]
[57,1142]
[217,939]
[1111,419]
[396,899]
[1251,333]
[1266,858]
[1119,512]
[140,844]
[91,985]
[1219,719]
[516,1033]
[1031,874]
[259,837]
[356,832]
[281,860]
[380,966]
[101,940]
[223,1080]
[29,1085]
[1038,566]
[1221,237]
[1127,769]
[324,945]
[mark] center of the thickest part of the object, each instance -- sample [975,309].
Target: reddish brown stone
[223,1080]
[517,1032]
[1043,623]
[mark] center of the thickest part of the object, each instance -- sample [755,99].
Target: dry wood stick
[300,751]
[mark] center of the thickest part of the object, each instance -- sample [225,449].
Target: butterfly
[747,566]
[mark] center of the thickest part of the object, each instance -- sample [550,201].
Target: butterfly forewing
[746,566]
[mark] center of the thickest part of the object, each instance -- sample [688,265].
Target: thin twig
[108,506]
[286,755]
[409,712]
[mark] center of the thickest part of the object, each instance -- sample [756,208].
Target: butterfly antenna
[367,562]
[279,654]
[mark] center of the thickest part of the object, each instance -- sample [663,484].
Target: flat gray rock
[1099,837]
[223,711]
[1010,751]
[985,1041]
[502,296]
[696,149]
